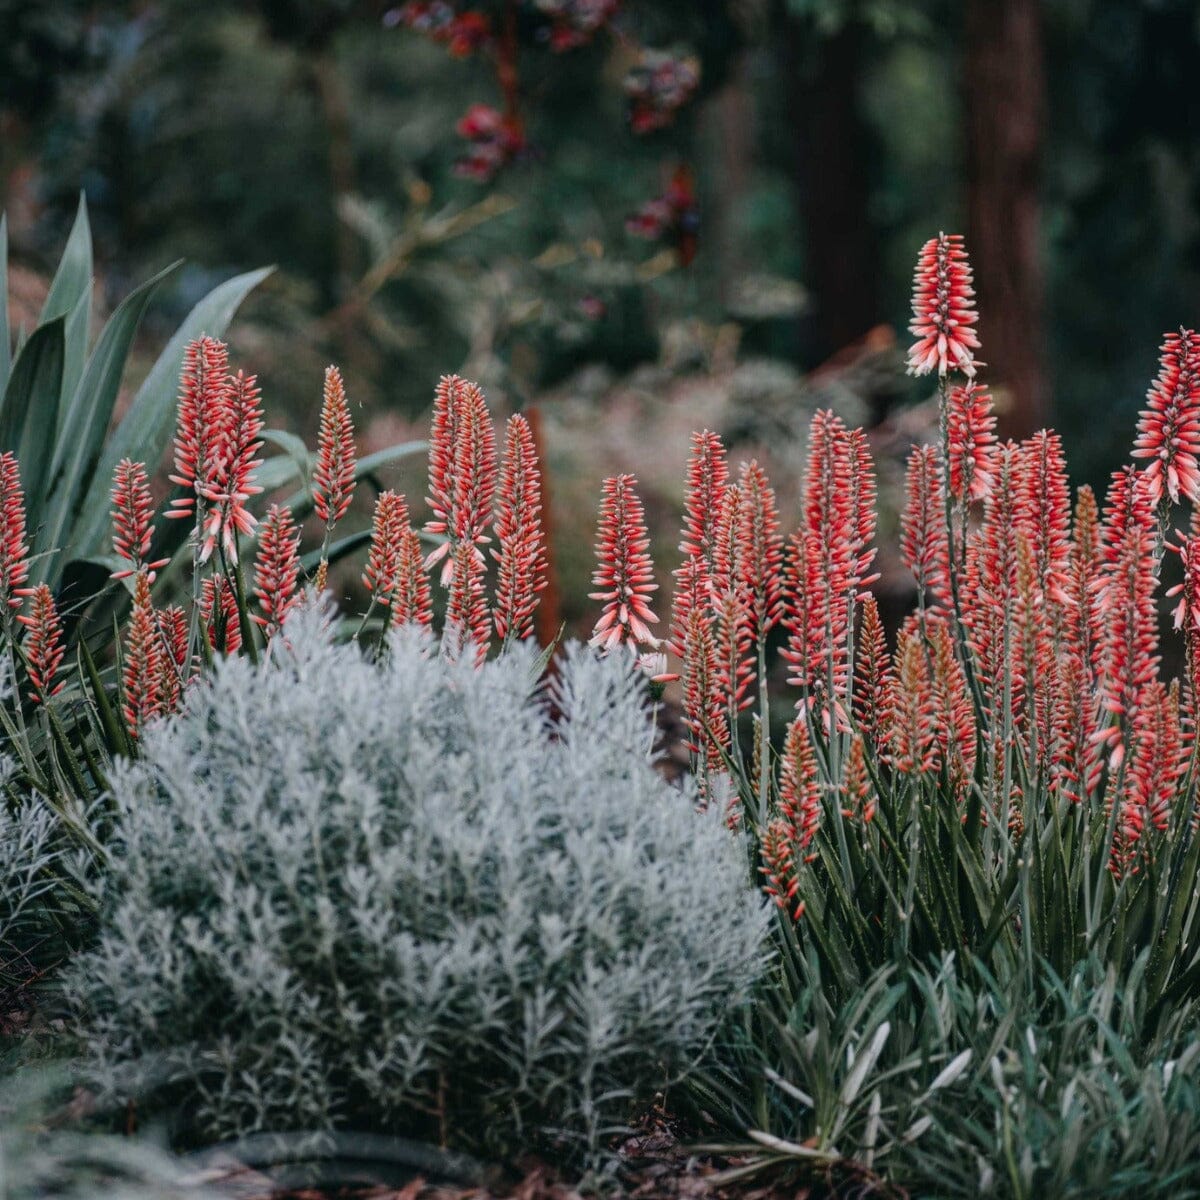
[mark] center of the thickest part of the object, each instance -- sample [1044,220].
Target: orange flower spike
[411,601]
[383,559]
[142,678]
[333,477]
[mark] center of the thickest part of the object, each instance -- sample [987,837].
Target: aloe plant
[59,390]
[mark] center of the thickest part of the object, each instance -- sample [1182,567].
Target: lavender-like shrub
[413,897]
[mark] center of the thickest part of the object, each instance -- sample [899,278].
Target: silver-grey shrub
[406,897]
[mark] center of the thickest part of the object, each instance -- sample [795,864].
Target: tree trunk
[1004,99]
[842,252]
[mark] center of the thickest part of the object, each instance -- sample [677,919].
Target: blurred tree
[1004,106]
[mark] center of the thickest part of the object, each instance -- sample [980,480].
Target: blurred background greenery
[827,140]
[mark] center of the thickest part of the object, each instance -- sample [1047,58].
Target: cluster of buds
[673,217]
[574,23]
[494,140]
[657,87]
[461,33]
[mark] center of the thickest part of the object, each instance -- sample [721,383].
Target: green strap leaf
[146,428]
[75,338]
[81,431]
[74,274]
[29,410]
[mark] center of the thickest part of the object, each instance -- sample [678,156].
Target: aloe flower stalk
[142,676]
[277,568]
[1169,427]
[943,310]
[521,544]
[133,515]
[43,644]
[624,573]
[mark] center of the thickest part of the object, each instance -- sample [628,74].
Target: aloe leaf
[301,503]
[5,342]
[29,410]
[75,337]
[146,428]
[85,423]
[74,274]
[294,448]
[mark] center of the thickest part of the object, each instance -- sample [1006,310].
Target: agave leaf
[5,343]
[29,410]
[74,274]
[81,431]
[145,430]
[338,550]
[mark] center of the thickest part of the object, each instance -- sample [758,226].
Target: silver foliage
[407,897]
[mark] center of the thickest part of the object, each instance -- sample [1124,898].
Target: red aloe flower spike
[955,710]
[202,421]
[872,675]
[1129,652]
[143,661]
[924,544]
[912,708]
[1077,762]
[467,620]
[858,794]
[693,593]
[799,789]
[173,652]
[779,867]
[43,644]
[1155,767]
[707,476]
[1044,513]
[761,551]
[971,434]
[990,608]
[411,602]
[277,568]
[625,573]
[1131,819]
[14,551]
[462,468]
[132,513]
[383,559]
[234,483]
[943,310]
[1187,611]
[727,597]
[333,476]
[1169,429]
[829,555]
[219,614]
[703,710]
[521,552]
